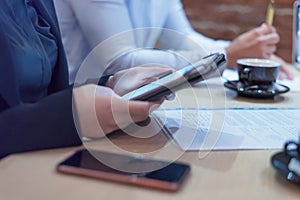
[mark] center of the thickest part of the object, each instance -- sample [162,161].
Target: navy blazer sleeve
[43,125]
[48,122]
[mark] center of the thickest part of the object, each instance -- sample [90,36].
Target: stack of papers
[231,128]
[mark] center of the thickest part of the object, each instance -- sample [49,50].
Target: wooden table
[217,175]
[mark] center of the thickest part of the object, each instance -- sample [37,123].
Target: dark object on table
[257,91]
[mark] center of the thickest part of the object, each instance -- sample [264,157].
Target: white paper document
[233,128]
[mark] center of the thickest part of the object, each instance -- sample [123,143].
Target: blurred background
[225,19]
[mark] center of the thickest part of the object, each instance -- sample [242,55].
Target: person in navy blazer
[35,97]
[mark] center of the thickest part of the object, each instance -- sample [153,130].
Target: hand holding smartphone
[83,162]
[185,77]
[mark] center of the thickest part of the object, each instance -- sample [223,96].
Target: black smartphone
[185,77]
[84,162]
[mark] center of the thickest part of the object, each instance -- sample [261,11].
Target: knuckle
[260,41]
[277,38]
[256,33]
[144,111]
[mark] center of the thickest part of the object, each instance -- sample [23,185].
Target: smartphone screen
[84,162]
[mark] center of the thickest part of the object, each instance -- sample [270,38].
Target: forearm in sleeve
[43,125]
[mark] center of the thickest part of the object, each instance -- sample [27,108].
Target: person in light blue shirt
[135,32]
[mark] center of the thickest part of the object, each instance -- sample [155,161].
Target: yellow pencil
[270,13]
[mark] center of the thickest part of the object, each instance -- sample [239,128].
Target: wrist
[231,59]
[85,106]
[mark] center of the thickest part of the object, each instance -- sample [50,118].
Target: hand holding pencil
[270,13]
[260,42]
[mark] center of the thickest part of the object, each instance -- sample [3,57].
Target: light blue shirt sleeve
[129,33]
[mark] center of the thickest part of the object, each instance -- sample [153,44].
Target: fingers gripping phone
[85,163]
[185,77]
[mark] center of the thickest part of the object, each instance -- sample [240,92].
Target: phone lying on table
[85,163]
[185,77]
